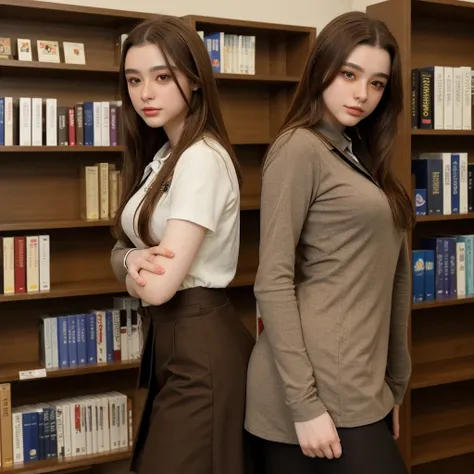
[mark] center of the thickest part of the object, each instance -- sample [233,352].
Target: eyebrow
[152,69]
[355,66]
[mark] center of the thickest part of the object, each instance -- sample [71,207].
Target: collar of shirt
[160,157]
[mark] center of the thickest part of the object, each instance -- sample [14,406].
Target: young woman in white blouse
[181,192]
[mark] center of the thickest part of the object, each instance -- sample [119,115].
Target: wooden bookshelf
[437,425]
[40,194]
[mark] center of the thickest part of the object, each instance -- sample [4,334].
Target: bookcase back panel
[248,255]
[86,90]
[99,43]
[453,227]
[246,113]
[442,43]
[447,144]
[442,334]
[440,408]
[44,186]
[19,336]
[280,101]
[459,465]
[250,159]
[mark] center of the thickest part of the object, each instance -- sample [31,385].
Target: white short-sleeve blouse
[204,190]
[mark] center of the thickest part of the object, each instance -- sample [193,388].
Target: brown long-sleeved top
[333,289]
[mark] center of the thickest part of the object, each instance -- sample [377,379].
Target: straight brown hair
[373,137]
[182,46]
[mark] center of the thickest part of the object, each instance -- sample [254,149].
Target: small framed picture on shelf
[74,53]
[24,50]
[48,51]
[5,48]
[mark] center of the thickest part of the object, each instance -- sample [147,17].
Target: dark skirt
[194,365]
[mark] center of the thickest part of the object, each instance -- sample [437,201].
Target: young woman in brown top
[330,369]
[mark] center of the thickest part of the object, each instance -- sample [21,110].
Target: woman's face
[154,94]
[358,87]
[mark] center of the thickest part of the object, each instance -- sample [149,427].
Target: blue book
[109,336]
[2,121]
[81,339]
[420,202]
[91,338]
[30,436]
[63,353]
[418,258]
[455,178]
[437,245]
[88,123]
[72,338]
[429,275]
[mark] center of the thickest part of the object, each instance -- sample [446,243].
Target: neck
[329,118]
[174,130]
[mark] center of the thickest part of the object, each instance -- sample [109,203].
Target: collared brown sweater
[333,289]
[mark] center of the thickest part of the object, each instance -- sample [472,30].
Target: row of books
[443,268]
[36,121]
[230,53]
[443,183]
[24,264]
[101,188]
[60,429]
[94,337]
[443,98]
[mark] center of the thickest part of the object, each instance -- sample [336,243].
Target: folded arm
[185,238]
[399,361]
[289,186]
[116,259]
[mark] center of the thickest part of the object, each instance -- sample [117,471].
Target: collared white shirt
[204,190]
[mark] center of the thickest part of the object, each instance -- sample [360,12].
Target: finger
[163,251]
[138,279]
[319,453]
[336,449]
[308,452]
[153,268]
[328,452]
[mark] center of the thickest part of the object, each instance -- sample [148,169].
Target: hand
[396,421]
[143,260]
[319,437]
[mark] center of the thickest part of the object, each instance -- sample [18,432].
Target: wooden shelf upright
[438,412]
[40,191]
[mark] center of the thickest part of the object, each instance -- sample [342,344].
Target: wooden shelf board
[444,9]
[63,465]
[442,445]
[31,10]
[10,372]
[52,224]
[431,374]
[240,26]
[442,303]
[60,149]
[454,133]
[444,217]
[67,289]
[257,78]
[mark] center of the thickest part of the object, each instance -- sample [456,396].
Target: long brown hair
[181,45]
[373,137]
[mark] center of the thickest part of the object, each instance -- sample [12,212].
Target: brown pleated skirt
[194,365]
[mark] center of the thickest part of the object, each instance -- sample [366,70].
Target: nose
[360,93]
[147,92]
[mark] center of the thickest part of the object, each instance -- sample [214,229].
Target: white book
[463,200]
[17,435]
[8,121]
[97,119]
[46,342]
[51,122]
[458,100]
[8,266]
[44,263]
[461,268]
[54,342]
[252,54]
[59,430]
[25,121]
[68,423]
[37,121]
[438,102]
[105,123]
[32,264]
[103,170]
[448,98]
[466,97]
[78,433]
[116,329]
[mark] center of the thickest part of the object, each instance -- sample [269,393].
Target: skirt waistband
[187,303]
